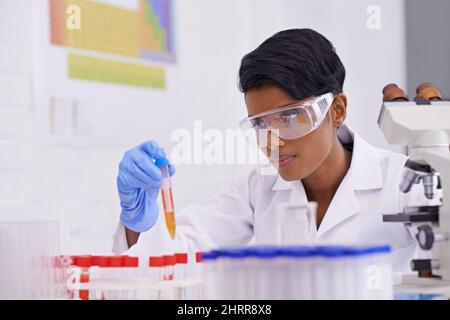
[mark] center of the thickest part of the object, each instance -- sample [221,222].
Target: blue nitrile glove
[138,183]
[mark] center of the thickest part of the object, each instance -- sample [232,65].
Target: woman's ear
[339,110]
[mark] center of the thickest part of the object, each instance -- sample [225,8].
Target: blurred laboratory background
[70,105]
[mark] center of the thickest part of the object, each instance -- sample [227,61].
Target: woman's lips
[284,161]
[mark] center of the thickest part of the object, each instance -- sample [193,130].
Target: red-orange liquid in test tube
[166,193]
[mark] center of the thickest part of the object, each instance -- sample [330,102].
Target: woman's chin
[291,175]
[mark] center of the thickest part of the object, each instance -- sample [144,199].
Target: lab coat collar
[365,173]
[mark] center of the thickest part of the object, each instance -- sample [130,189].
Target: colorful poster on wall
[104,33]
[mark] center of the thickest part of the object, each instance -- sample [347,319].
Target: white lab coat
[247,208]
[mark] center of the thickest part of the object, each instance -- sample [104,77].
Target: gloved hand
[138,183]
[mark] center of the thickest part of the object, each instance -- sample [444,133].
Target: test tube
[93,277]
[180,273]
[169,263]
[131,265]
[249,265]
[169,269]
[211,275]
[363,282]
[221,282]
[73,292]
[84,262]
[196,272]
[104,270]
[156,268]
[379,276]
[166,193]
[265,255]
[235,275]
[57,276]
[180,266]
[348,263]
[116,273]
[299,281]
[387,274]
[334,262]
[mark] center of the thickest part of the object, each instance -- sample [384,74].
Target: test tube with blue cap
[167,197]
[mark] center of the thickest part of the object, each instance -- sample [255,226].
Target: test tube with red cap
[156,273]
[73,261]
[84,263]
[199,274]
[55,276]
[72,270]
[115,274]
[181,260]
[198,265]
[169,266]
[156,265]
[169,269]
[180,273]
[131,264]
[131,267]
[93,277]
[62,263]
[104,267]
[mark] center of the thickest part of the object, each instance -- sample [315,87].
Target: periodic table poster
[144,32]
[104,64]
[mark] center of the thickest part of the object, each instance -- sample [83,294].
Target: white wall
[77,182]
[15,101]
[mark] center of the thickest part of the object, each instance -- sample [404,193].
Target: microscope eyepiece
[392,92]
[426,91]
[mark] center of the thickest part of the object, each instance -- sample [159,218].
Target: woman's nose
[274,142]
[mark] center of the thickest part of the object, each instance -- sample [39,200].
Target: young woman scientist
[293,85]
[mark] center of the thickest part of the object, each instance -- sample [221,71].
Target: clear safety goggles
[294,121]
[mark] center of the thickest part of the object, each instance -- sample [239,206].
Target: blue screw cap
[161,162]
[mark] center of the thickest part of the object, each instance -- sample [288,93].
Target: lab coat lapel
[365,173]
[344,205]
